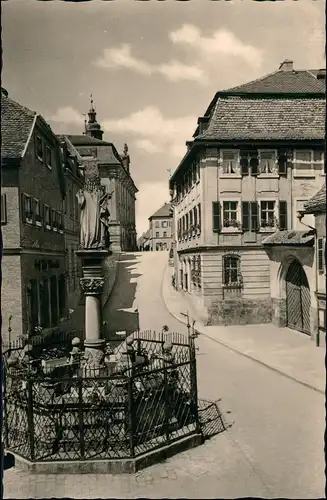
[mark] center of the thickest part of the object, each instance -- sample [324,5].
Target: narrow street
[272,449]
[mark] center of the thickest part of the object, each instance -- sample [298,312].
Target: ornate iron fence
[148,401]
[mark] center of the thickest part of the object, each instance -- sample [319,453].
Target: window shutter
[282,162]
[283,215]
[254,216]
[320,255]
[216,216]
[244,162]
[246,215]
[3,209]
[254,163]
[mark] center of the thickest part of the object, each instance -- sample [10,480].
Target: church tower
[92,127]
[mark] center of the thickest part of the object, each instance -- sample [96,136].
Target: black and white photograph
[163,249]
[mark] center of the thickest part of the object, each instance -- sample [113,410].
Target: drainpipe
[300,216]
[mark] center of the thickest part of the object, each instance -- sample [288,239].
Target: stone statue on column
[94,212]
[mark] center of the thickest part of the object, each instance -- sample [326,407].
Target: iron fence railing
[122,414]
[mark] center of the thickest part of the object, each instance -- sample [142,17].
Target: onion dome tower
[92,127]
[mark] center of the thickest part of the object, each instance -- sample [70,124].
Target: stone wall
[240,312]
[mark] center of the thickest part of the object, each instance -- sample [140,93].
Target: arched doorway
[298,300]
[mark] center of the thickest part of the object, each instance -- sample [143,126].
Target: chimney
[286,65]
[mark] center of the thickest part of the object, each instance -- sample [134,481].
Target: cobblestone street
[273,444]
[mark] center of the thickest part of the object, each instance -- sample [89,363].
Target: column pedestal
[92,286]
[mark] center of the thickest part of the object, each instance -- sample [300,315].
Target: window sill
[268,176]
[61,231]
[233,287]
[231,230]
[267,229]
[40,158]
[47,227]
[230,176]
[29,221]
[38,224]
[310,175]
[49,167]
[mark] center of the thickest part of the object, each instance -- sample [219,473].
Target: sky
[152,67]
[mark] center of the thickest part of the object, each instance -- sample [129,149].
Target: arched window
[232,270]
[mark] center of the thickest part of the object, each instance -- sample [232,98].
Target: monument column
[92,284]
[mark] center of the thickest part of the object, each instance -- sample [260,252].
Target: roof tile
[266,118]
[287,238]
[163,211]
[285,82]
[16,125]
[318,202]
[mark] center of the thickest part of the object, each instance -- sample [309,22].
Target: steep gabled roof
[163,211]
[266,118]
[317,204]
[70,147]
[284,82]
[16,127]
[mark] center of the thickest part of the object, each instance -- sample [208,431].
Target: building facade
[32,193]
[115,177]
[160,229]
[74,180]
[256,157]
[317,207]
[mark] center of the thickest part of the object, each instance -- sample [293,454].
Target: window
[54,219]
[230,162]
[231,271]
[3,209]
[165,234]
[267,214]
[46,211]
[197,171]
[48,157]
[199,218]
[267,162]
[164,223]
[321,255]
[37,212]
[61,222]
[39,148]
[157,234]
[230,214]
[27,208]
[157,223]
[307,161]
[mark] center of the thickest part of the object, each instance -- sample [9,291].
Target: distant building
[33,188]
[116,177]
[160,230]
[143,241]
[257,156]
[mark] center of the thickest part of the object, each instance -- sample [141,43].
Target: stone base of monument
[113,466]
[92,284]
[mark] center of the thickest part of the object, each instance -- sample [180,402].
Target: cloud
[67,115]
[222,43]
[151,196]
[174,71]
[154,132]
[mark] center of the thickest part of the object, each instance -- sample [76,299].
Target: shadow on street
[211,418]
[115,316]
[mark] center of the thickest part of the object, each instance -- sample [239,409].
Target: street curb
[276,370]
